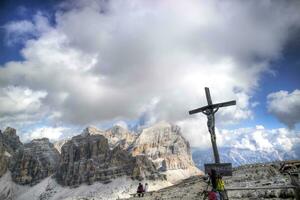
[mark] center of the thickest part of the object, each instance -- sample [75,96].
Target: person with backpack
[221,188]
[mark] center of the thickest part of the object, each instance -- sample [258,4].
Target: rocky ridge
[34,161]
[116,135]
[9,143]
[97,155]
[87,158]
[164,144]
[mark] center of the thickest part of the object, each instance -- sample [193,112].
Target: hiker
[213,178]
[146,187]
[221,188]
[140,190]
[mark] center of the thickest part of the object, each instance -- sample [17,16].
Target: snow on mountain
[239,156]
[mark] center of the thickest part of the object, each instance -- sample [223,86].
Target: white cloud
[196,132]
[256,138]
[23,30]
[20,27]
[20,100]
[285,106]
[103,61]
[121,123]
[260,138]
[53,133]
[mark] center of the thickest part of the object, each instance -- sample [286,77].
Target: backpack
[220,185]
[212,195]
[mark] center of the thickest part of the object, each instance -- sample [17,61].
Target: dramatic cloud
[149,59]
[21,31]
[285,106]
[259,138]
[19,100]
[53,133]
[281,140]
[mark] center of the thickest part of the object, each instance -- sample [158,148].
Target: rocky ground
[257,175]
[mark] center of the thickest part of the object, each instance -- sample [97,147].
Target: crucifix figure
[210,111]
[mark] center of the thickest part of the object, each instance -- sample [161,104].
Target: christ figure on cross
[210,111]
[210,114]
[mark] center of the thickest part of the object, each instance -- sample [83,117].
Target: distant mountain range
[238,156]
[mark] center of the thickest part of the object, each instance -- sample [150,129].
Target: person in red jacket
[140,190]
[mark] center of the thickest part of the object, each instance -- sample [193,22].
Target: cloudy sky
[68,64]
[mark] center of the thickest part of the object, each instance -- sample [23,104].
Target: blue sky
[65,65]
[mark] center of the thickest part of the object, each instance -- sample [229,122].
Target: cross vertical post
[210,111]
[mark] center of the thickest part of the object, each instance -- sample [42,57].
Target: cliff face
[4,158]
[97,155]
[9,143]
[11,140]
[166,147]
[87,158]
[35,161]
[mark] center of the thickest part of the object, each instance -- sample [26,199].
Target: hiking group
[142,189]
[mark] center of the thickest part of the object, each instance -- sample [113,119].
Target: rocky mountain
[238,156]
[4,158]
[59,144]
[10,139]
[87,158]
[109,165]
[164,144]
[34,161]
[9,143]
[116,135]
[158,155]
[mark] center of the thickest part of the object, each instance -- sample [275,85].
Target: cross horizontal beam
[212,106]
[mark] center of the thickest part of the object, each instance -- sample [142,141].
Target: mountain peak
[166,147]
[10,131]
[91,130]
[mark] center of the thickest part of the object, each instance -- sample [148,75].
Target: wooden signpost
[223,169]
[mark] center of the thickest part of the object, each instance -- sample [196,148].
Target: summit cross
[210,111]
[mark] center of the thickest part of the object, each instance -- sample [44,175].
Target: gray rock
[117,136]
[9,143]
[35,161]
[4,159]
[11,140]
[164,144]
[87,158]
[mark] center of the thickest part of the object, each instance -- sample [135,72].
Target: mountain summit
[164,144]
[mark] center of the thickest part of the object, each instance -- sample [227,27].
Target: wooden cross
[210,111]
